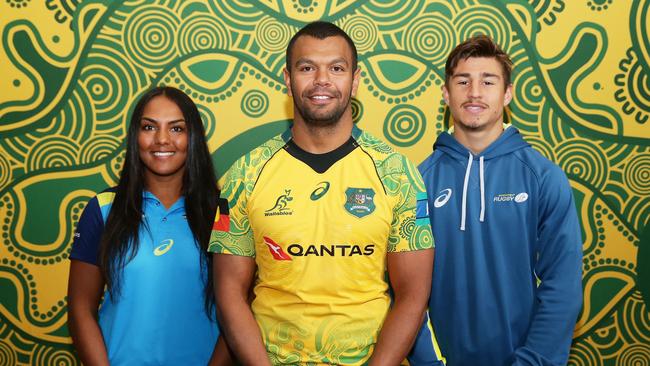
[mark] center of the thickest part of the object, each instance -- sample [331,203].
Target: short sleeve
[231,231]
[410,227]
[87,237]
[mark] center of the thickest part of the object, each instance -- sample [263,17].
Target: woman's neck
[168,191]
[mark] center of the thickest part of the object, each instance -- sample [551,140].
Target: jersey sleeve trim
[87,237]
[231,232]
[222,217]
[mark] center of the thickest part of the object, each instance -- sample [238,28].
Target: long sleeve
[558,268]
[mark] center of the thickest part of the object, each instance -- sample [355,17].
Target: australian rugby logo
[360,201]
[510,197]
[281,205]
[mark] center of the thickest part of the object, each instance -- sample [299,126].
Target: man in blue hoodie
[506,284]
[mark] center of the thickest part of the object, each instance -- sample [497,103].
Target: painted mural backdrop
[71,71]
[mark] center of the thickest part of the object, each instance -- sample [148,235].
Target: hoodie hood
[509,141]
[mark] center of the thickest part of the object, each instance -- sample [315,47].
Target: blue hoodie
[507,273]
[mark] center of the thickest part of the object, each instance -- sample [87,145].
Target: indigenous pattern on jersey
[319,227]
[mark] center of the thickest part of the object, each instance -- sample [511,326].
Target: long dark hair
[120,240]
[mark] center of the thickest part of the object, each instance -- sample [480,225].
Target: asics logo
[163,248]
[442,198]
[320,191]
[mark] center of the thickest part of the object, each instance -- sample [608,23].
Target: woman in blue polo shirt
[142,246]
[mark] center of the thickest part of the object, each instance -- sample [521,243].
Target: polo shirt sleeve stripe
[87,237]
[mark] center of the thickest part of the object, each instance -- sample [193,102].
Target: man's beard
[314,117]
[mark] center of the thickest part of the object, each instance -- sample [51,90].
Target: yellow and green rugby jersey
[319,227]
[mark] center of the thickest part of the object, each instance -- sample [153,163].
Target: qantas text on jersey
[331,250]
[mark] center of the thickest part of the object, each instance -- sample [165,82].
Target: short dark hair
[321,30]
[478,46]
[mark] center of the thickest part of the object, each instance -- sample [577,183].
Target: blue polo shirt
[159,317]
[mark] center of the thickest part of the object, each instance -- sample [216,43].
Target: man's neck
[477,140]
[320,140]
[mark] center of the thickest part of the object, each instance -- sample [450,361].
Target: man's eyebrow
[339,60]
[302,61]
[490,75]
[483,74]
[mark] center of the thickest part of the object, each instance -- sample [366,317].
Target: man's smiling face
[477,94]
[321,79]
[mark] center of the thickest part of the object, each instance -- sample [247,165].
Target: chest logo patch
[511,197]
[276,250]
[360,201]
[320,191]
[164,247]
[442,198]
[281,206]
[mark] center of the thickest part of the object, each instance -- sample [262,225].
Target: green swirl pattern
[150,37]
[637,355]
[52,152]
[363,32]
[481,19]
[50,356]
[202,33]
[637,175]
[5,171]
[272,34]
[634,87]
[584,355]
[209,121]
[583,159]
[72,70]
[391,13]
[431,37]
[404,125]
[423,238]
[7,354]
[255,103]
[357,110]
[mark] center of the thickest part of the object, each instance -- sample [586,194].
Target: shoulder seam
[374,166]
[257,178]
[435,159]
[527,165]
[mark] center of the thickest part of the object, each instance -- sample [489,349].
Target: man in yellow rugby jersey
[317,217]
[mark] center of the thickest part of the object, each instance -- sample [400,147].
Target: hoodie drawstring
[480,160]
[465,183]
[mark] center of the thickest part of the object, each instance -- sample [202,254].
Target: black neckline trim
[321,162]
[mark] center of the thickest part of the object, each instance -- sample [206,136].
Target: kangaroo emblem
[282,202]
